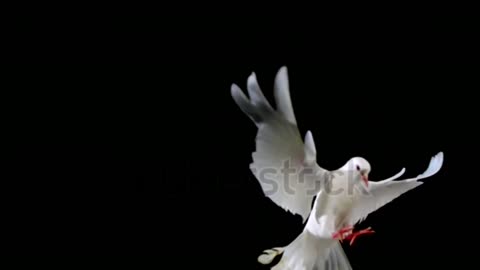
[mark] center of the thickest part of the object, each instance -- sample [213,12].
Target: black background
[126,148]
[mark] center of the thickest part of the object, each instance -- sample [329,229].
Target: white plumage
[344,196]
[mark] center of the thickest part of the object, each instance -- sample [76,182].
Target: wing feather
[385,191]
[279,146]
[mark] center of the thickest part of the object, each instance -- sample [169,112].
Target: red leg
[352,237]
[343,233]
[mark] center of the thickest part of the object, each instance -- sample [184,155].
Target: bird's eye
[358,168]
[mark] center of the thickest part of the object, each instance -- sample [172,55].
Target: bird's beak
[365,178]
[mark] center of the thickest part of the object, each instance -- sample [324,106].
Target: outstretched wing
[385,191]
[284,165]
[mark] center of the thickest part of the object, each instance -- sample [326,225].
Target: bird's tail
[308,252]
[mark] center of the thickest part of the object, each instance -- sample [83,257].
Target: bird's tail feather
[336,259]
[307,252]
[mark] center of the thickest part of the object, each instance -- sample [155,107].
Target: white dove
[287,170]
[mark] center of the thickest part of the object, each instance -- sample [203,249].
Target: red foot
[354,235]
[343,233]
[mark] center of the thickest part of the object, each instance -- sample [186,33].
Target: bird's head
[359,166]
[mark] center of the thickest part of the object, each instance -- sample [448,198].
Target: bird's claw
[343,233]
[352,237]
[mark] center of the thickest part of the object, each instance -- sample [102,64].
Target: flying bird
[286,167]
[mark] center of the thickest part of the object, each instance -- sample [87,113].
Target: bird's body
[315,248]
[286,168]
[331,209]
